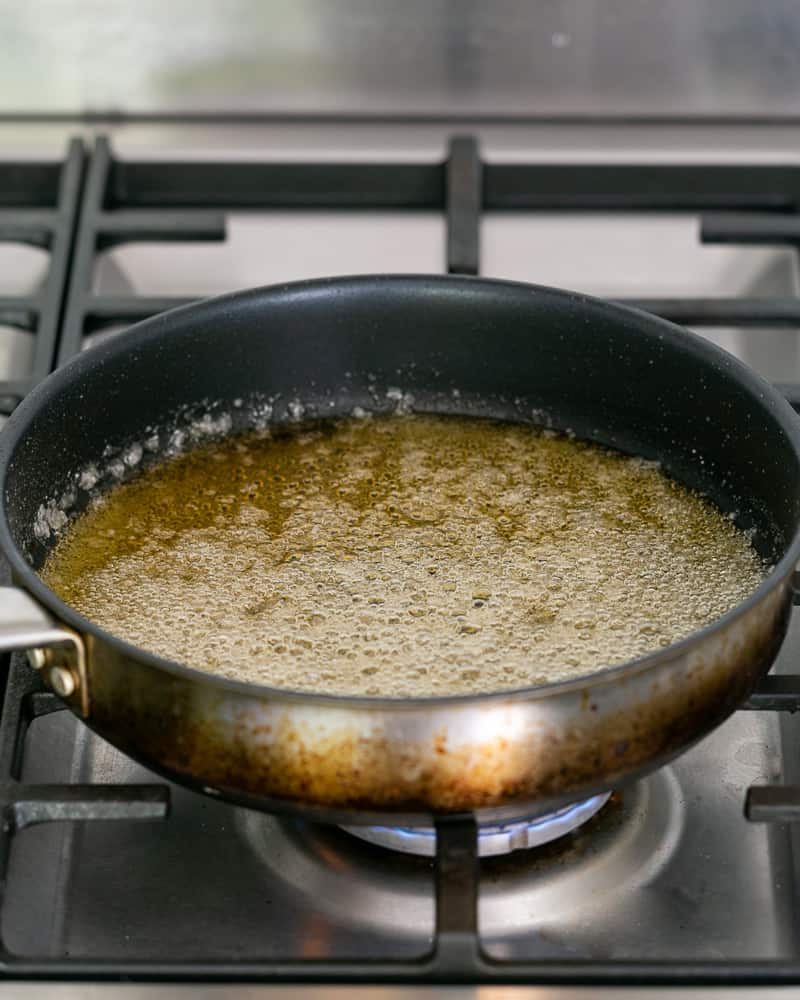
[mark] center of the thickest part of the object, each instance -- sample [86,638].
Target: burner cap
[492,840]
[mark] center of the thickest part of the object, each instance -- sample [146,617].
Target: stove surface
[668,870]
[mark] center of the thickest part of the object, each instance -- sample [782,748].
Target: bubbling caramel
[402,556]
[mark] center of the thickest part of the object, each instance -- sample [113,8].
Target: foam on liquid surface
[403,556]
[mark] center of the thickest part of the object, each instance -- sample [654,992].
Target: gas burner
[574,889]
[492,840]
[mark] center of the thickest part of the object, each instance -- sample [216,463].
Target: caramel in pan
[407,555]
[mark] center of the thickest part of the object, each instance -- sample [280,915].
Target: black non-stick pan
[512,351]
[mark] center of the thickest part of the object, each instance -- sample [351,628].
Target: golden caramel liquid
[407,555]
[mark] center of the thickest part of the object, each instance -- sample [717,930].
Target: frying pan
[456,345]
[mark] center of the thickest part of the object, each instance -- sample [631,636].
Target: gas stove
[110,873]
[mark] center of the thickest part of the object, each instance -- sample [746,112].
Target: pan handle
[53,649]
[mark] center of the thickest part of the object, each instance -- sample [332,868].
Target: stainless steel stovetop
[668,870]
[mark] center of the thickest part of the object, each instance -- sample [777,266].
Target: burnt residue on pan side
[526,751]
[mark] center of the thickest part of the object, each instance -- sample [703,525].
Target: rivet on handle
[62,681]
[37,658]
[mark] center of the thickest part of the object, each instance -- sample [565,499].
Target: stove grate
[127,200]
[123,201]
[39,206]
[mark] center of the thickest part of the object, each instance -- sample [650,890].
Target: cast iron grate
[125,201]
[39,203]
